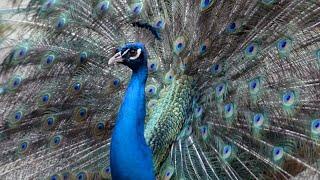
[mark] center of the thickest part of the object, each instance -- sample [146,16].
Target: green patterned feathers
[168,118]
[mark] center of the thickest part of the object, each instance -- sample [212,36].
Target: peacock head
[133,55]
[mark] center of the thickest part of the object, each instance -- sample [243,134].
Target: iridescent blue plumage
[131,158]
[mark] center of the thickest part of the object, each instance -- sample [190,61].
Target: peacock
[159,89]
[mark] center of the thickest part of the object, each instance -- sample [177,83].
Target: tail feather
[235,82]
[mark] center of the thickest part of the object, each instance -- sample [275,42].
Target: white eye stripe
[124,53]
[136,56]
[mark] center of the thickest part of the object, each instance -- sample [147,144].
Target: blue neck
[131,158]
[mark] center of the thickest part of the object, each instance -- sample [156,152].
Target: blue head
[133,55]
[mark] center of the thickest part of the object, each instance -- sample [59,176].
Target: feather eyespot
[137,8]
[288,98]
[83,57]
[55,177]
[82,176]
[277,153]
[258,120]
[254,86]
[179,45]
[220,90]
[315,126]
[99,129]
[232,27]
[16,82]
[216,69]
[229,110]
[48,5]
[206,4]
[18,115]
[21,53]
[203,49]
[204,131]
[100,126]
[49,122]
[67,175]
[50,59]
[61,23]
[167,172]
[284,46]
[226,151]
[24,146]
[160,24]
[44,99]
[250,48]
[189,130]
[151,90]
[82,112]
[15,118]
[103,7]
[169,77]
[56,141]
[106,172]
[251,51]
[198,112]
[77,86]
[116,82]
[153,67]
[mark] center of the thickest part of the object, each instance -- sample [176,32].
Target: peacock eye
[56,141]
[288,98]
[315,126]
[81,176]
[278,153]
[226,151]
[132,52]
[258,120]
[24,146]
[54,177]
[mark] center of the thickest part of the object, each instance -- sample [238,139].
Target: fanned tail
[248,70]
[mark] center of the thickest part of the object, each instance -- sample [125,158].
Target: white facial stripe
[124,53]
[136,56]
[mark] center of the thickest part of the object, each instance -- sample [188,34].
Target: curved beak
[117,58]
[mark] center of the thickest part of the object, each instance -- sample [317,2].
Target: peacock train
[160,89]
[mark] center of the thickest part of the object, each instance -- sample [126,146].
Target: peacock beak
[117,58]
